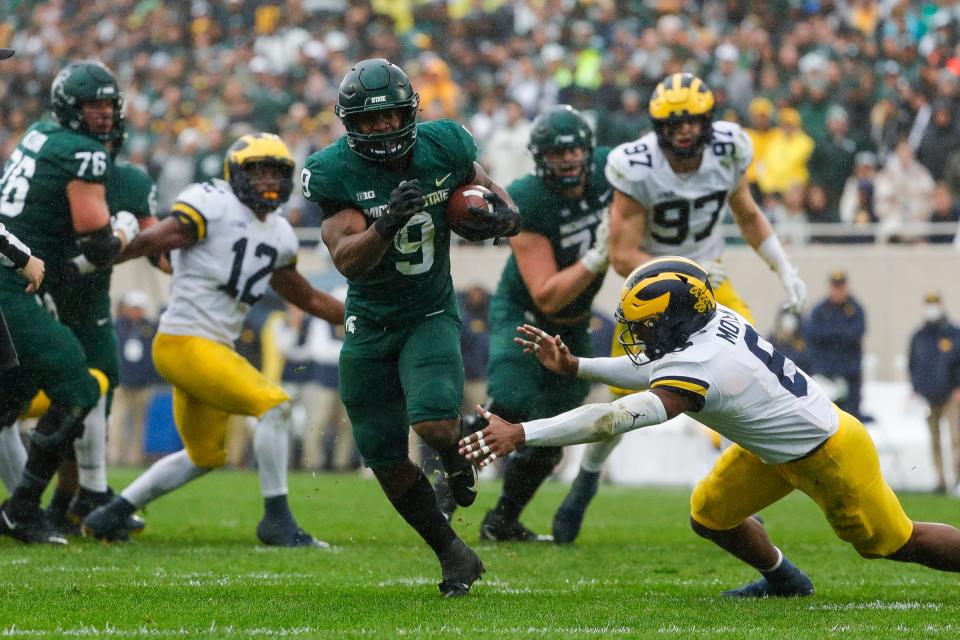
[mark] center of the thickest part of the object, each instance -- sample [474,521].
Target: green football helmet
[557,128]
[80,82]
[378,85]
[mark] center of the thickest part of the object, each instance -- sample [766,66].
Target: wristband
[773,254]
[387,226]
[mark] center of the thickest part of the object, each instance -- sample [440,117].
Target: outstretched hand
[550,351]
[498,439]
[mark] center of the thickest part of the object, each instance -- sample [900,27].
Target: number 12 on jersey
[232,288]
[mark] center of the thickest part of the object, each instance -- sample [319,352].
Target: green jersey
[570,224]
[33,189]
[412,279]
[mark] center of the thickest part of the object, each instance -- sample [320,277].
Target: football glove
[795,288]
[502,222]
[716,273]
[597,257]
[126,223]
[406,200]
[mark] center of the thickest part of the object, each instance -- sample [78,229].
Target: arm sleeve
[616,372]
[594,422]
[13,253]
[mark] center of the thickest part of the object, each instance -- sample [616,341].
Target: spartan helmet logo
[351,324]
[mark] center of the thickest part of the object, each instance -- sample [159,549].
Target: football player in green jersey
[383,189]
[14,255]
[53,196]
[83,304]
[558,264]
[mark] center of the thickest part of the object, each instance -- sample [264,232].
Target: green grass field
[637,571]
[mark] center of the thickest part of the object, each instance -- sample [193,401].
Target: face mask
[788,323]
[932,312]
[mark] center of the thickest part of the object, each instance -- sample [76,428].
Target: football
[462,198]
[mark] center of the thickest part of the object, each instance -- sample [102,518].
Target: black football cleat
[462,477]
[276,533]
[33,528]
[460,567]
[462,484]
[496,528]
[109,522]
[788,581]
[764,589]
[58,520]
[86,501]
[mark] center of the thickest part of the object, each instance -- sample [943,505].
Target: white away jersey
[685,209]
[216,280]
[751,393]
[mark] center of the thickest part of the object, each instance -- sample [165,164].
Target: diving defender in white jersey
[703,359]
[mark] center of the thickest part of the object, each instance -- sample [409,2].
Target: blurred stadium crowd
[851,105]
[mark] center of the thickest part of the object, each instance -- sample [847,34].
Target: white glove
[597,257]
[795,288]
[716,273]
[84,266]
[126,223]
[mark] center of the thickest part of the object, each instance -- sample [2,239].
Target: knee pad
[59,427]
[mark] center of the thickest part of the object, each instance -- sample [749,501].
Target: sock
[271,448]
[597,453]
[783,572]
[49,441]
[418,506]
[277,508]
[777,564]
[91,449]
[524,474]
[582,490]
[165,475]
[13,456]
[42,463]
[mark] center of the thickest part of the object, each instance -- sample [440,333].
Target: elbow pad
[100,247]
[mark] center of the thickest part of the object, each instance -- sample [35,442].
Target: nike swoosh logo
[440,181]
[102,321]
[6,520]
